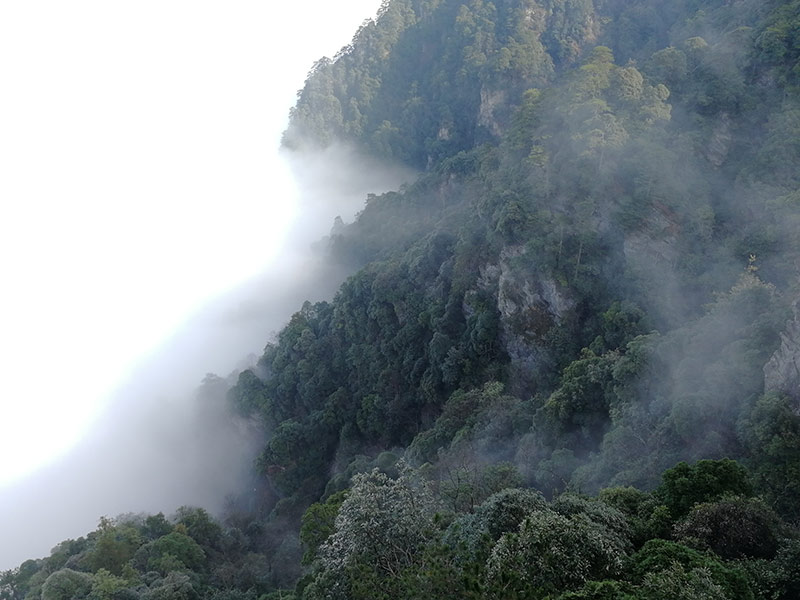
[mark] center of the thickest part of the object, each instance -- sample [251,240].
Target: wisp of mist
[158,443]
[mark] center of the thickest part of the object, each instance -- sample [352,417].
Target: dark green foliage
[240,595]
[175,586]
[787,564]
[464,486]
[679,582]
[684,486]
[551,553]
[658,556]
[380,532]
[621,323]
[429,105]
[384,539]
[577,413]
[778,578]
[615,522]
[601,590]
[486,413]
[317,524]
[732,528]
[155,526]
[778,42]
[15,583]
[473,535]
[67,584]
[365,370]
[114,545]
[200,526]
[773,437]
[646,517]
[172,552]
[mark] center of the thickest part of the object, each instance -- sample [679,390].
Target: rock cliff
[782,371]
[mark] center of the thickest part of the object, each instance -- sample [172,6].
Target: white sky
[138,179]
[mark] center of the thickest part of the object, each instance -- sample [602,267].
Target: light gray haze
[154,444]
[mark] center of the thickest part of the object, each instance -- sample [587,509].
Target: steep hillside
[591,281]
[613,239]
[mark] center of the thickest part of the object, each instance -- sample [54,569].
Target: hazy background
[149,233]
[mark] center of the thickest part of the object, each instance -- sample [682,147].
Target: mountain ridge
[546,378]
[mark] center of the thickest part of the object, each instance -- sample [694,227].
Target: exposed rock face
[338,226]
[782,371]
[491,100]
[530,304]
[720,143]
[651,255]
[656,242]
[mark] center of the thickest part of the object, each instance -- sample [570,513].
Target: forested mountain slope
[594,278]
[608,225]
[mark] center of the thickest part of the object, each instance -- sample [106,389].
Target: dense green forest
[567,364]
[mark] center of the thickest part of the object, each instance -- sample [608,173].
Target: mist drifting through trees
[559,362]
[155,217]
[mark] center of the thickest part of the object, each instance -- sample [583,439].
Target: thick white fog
[150,233]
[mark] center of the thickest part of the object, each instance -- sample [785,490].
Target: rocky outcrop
[782,371]
[721,140]
[651,254]
[656,242]
[491,102]
[530,305]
